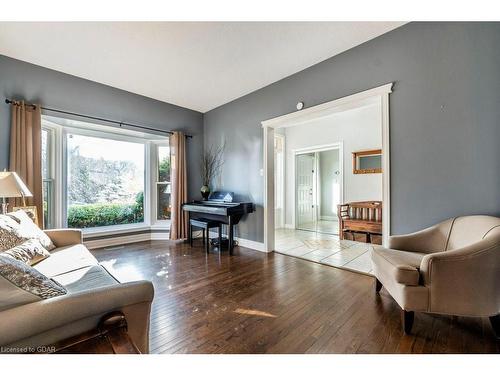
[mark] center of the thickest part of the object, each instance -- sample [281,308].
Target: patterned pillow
[29,252]
[27,229]
[29,279]
[8,233]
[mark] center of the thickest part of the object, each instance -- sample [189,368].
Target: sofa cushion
[66,259]
[22,284]
[29,252]
[403,266]
[86,278]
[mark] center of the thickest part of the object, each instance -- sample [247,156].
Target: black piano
[219,207]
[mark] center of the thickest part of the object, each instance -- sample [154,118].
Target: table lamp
[11,186]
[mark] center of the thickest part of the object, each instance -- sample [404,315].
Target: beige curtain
[179,221]
[25,153]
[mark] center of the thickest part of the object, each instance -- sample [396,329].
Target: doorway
[318,189]
[379,96]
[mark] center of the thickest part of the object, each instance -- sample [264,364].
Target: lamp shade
[11,186]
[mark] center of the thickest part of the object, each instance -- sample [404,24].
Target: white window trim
[59,171]
[155,222]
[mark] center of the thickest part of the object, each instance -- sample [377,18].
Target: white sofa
[92,292]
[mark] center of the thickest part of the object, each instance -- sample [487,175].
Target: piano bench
[205,225]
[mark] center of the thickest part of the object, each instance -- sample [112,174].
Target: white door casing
[356,100]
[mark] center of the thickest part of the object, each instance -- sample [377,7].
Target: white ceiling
[197,65]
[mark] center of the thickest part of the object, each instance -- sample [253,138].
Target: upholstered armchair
[450,268]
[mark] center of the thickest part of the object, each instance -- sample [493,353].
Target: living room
[179,186]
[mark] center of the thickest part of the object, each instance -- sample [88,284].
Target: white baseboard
[289,226]
[158,236]
[254,245]
[115,241]
[328,218]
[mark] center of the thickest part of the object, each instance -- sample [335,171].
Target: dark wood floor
[259,303]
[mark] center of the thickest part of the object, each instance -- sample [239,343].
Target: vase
[205,192]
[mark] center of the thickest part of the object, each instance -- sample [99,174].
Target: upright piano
[220,207]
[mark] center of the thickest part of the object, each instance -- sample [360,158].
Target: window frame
[155,182]
[59,164]
[51,168]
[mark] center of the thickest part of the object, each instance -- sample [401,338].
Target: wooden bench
[361,221]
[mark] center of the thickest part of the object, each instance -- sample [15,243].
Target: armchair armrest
[65,237]
[76,313]
[464,281]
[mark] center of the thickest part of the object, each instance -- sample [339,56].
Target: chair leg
[495,324]
[378,285]
[407,318]
[208,240]
[203,234]
[190,235]
[220,238]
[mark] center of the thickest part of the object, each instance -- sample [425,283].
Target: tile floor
[325,249]
[322,226]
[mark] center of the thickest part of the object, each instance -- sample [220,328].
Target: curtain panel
[25,153]
[179,221]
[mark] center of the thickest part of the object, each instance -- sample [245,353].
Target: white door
[305,194]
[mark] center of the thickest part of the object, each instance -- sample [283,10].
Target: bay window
[98,178]
[104,181]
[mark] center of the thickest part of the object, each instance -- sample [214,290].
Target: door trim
[379,94]
[283,167]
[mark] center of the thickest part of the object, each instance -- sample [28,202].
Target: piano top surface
[215,203]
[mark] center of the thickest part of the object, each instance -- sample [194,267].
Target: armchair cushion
[402,266]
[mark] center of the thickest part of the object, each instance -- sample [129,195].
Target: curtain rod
[120,123]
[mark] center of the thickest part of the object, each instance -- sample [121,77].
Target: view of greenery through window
[105,184]
[163,184]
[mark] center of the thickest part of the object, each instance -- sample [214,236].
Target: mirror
[369,161]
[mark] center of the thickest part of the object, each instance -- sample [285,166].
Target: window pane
[45,154]
[105,183]
[164,205]
[47,191]
[163,164]
[47,204]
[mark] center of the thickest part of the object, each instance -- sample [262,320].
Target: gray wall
[444,114]
[20,80]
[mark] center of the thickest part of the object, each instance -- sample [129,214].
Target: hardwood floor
[259,303]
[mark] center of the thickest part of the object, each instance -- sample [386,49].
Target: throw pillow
[8,233]
[29,279]
[28,229]
[29,252]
